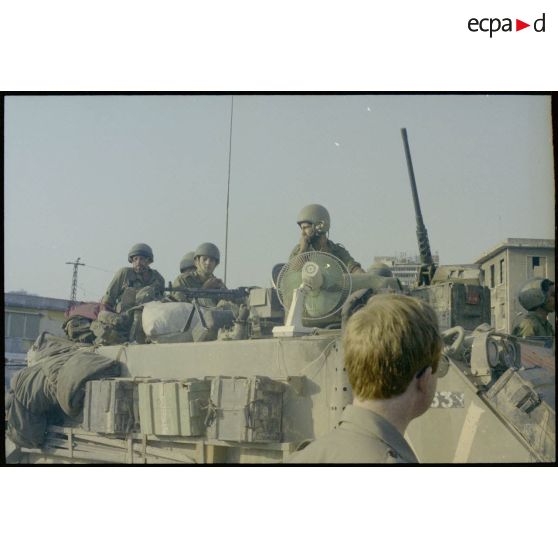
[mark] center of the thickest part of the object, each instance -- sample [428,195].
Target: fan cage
[336,286]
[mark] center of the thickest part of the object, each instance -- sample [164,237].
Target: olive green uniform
[533,325]
[125,278]
[361,436]
[337,250]
[191,280]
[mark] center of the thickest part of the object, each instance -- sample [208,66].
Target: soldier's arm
[295,252]
[343,254]
[214,283]
[178,283]
[114,290]
[526,328]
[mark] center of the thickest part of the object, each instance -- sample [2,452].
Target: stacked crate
[232,409]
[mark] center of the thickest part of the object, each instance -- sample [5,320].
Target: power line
[97,268]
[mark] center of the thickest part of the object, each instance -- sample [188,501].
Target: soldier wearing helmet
[187,263]
[381,269]
[314,222]
[538,297]
[121,291]
[206,259]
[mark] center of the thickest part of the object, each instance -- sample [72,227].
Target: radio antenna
[228,192]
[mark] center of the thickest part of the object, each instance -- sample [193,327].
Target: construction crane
[73,293]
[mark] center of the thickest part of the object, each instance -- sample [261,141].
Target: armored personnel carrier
[250,386]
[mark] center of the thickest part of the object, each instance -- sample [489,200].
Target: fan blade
[290,281]
[322,305]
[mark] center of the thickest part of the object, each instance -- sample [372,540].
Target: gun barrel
[411,171]
[231,294]
[422,234]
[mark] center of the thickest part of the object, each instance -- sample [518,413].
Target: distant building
[506,267]
[405,268]
[25,316]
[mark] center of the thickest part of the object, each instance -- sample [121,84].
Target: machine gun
[428,267]
[237,295]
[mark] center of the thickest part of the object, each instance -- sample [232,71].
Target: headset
[319,227]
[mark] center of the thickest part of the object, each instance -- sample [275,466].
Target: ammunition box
[245,409]
[111,406]
[457,304]
[173,408]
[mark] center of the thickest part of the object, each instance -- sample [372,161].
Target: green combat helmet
[381,269]
[316,215]
[208,249]
[534,293]
[187,261]
[140,250]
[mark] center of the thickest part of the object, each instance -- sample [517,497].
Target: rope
[211,412]
[323,354]
[119,353]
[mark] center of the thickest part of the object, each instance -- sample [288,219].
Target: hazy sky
[89,176]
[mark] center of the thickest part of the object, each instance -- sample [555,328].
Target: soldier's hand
[304,242]
[214,283]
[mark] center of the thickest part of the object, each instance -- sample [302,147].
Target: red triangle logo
[519,25]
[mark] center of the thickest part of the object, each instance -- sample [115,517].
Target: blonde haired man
[392,349]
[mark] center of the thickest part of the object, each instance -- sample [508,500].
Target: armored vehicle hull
[466,424]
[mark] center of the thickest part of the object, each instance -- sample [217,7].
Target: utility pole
[74,283]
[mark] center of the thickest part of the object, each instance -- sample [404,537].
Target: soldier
[122,289]
[538,297]
[187,263]
[314,223]
[381,269]
[206,259]
[130,287]
[187,266]
[392,352]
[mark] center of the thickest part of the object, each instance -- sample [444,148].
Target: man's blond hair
[387,343]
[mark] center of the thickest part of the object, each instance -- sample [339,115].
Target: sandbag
[181,322]
[216,318]
[169,321]
[111,328]
[81,367]
[78,328]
